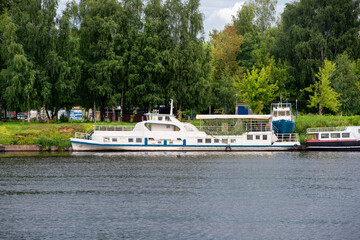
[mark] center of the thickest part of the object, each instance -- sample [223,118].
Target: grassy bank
[54,134]
[47,135]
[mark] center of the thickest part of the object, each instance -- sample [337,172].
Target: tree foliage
[323,95]
[256,88]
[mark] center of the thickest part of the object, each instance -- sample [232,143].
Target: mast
[171,106]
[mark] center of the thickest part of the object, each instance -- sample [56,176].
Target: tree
[255,88]
[324,95]
[265,14]
[345,81]
[312,31]
[98,31]
[17,78]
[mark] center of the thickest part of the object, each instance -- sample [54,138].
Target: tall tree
[256,88]
[324,95]
[344,81]
[17,76]
[98,30]
[312,31]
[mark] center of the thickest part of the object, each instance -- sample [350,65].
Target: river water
[247,195]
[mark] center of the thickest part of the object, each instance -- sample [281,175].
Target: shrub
[63,118]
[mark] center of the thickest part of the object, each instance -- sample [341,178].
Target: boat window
[257,137]
[224,140]
[249,137]
[199,140]
[114,139]
[275,114]
[232,140]
[160,118]
[138,140]
[167,118]
[106,139]
[335,135]
[345,135]
[324,135]
[264,137]
[208,140]
[130,140]
[167,126]
[216,141]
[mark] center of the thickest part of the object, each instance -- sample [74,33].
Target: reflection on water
[194,195]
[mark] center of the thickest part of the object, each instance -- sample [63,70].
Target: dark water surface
[284,195]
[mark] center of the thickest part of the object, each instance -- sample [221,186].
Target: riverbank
[56,136]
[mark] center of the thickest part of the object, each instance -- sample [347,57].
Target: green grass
[52,134]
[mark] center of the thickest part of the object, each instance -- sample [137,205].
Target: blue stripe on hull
[284,126]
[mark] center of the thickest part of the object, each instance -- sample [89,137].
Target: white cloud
[217,18]
[226,14]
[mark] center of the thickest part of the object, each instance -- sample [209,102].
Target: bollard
[47,120]
[70,120]
[23,121]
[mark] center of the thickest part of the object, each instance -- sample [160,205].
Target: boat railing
[324,129]
[113,128]
[287,137]
[239,129]
[80,135]
[280,105]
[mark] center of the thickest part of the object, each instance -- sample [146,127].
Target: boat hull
[283,126]
[349,145]
[89,145]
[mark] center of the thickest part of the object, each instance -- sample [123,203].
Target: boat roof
[217,116]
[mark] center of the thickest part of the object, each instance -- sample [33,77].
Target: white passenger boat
[333,138]
[163,132]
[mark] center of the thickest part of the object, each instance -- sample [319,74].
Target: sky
[217,13]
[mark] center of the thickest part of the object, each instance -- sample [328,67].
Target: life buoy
[228,149]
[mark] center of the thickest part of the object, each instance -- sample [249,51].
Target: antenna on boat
[171,106]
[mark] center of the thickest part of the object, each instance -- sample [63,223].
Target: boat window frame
[325,135]
[337,135]
[216,140]
[224,140]
[112,139]
[257,137]
[250,137]
[264,137]
[207,140]
[130,140]
[106,139]
[345,135]
[199,140]
[232,140]
[138,140]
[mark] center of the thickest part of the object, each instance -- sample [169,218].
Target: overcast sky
[217,13]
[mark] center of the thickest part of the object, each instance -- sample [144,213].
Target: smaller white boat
[333,138]
[282,118]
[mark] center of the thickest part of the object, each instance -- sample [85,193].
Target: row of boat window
[335,135]
[232,140]
[200,140]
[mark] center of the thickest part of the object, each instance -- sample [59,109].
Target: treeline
[134,53]
[103,54]
[271,57]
